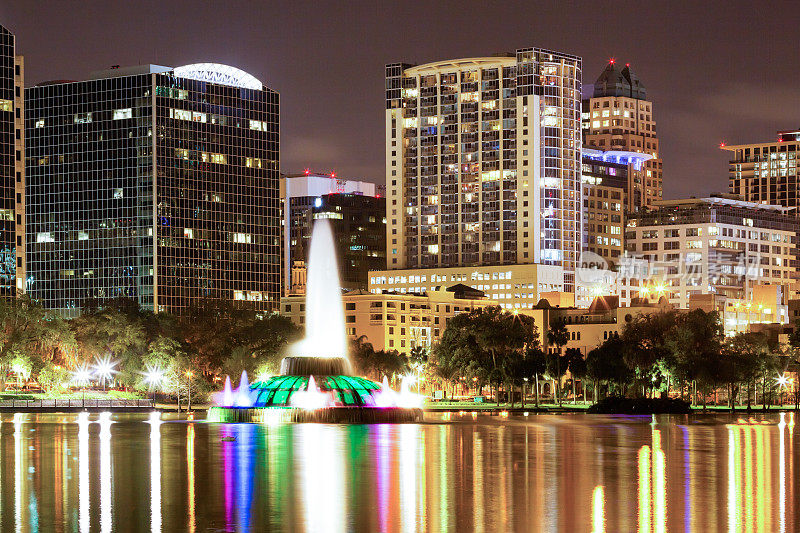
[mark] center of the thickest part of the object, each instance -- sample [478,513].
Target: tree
[644,340]
[606,363]
[536,365]
[577,368]
[480,344]
[53,378]
[694,344]
[558,335]
[29,330]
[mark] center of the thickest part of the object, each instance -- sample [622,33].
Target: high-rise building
[156,184]
[483,162]
[619,117]
[607,191]
[357,214]
[767,172]
[12,168]
[717,245]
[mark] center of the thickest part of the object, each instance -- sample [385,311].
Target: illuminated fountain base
[316,389]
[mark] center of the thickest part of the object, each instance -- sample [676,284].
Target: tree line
[187,353]
[683,354]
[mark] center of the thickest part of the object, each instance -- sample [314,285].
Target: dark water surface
[453,473]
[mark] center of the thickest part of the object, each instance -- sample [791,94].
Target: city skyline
[310,57]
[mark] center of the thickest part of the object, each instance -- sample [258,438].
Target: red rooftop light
[612,60]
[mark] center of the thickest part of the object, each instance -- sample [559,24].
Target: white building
[483,162]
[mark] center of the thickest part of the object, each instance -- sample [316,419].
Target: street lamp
[82,375]
[153,376]
[189,375]
[104,368]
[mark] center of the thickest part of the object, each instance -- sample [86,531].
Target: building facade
[766,172]
[483,162]
[609,184]
[12,168]
[357,214]
[716,245]
[509,286]
[156,184]
[393,321]
[619,117]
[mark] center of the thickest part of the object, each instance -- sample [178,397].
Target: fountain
[316,382]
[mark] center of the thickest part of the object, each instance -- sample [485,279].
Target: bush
[640,406]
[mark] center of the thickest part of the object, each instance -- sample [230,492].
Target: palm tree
[559,336]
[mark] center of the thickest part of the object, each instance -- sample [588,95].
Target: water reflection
[103,472]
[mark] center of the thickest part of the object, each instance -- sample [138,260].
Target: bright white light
[82,375]
[783,381]
[104,368]
[219,74]
[153,376]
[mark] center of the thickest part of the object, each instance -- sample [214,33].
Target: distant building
[609,180]
[393,321]
[716,245]
[483,163]
[12,168]
[509,286]
[155,183]
[619,117]
[767,172]
[357,213]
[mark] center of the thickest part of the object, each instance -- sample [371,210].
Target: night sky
[714,70]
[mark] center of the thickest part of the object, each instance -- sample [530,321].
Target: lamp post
[104,368]
[189,375]
[153,376]
[81,376]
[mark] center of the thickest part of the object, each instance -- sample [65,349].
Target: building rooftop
[783,136]
[722,199]
[618,80]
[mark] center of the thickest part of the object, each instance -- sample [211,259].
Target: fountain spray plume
[325,328]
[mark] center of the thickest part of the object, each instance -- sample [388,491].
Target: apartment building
[483,162]
[766,172]
[718,245]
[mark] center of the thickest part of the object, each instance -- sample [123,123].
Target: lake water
[452,473]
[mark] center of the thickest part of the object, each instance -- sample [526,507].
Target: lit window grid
[417,232]
[8,167]
[117,257]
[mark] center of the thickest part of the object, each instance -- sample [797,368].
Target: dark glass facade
[154,187]
[359,227]
[10,161]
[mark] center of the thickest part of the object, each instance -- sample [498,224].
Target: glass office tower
[12,172]
[155,184]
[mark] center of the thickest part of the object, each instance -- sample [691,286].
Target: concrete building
[619,117]
[716,245]
[394,321]
[509,286]
[154,183]
[357,213]
[483,162]
[609,179]
[12,168]
[766,172]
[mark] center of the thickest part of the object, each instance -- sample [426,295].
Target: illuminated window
[120,114]
[82,118]
[256,125]
[6,105]
[180,114]
[252,162]
[199,117]
[188,233]
[39,123]
[45,236]
[243,238]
